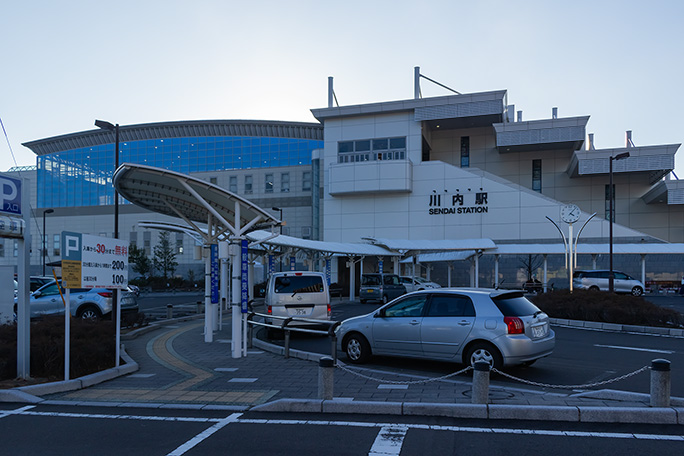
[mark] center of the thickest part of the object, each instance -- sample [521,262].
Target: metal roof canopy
[326,248]
[193,200]
[439,245]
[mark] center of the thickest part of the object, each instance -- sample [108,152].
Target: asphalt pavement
[168,365]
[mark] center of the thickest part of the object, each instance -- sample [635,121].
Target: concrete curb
[31,393]
[672,332]
[580,414]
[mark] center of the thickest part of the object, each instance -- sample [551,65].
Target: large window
[82,177]
[232,184]
[537,175]
[306,181]
[465,151]
[269,183]
[608,215]
[56,242]
[285,182]
[371,149]
[248,184]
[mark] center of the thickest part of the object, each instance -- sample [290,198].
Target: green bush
[606,307]
[92,348]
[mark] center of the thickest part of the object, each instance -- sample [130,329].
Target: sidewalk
[173,367]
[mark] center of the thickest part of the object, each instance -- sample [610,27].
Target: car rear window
[298,284]
[370,280]
[514,305]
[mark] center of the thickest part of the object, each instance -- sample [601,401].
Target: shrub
[606,307]
[92,348]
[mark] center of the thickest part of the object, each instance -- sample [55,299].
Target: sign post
[95,262]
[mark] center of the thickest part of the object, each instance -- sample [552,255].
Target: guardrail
[287,329]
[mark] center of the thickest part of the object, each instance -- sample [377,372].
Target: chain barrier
[586,385]
[394,382]
[504,374]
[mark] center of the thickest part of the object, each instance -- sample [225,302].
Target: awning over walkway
[325,248]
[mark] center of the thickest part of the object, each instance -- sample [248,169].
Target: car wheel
[89,313]
[384,299]
[637,291]
[483,352]
[357,348]
[594,288]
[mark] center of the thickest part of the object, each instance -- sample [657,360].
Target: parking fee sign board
[94,261]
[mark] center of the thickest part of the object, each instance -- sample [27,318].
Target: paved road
[581,357]
[57,430]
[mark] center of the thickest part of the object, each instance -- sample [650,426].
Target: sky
[67,63]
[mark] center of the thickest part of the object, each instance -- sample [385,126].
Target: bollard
[660,383]
[326,378]
[169,311]
[481,382]
[287,343]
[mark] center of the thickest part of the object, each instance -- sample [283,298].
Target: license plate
[538,331]
[300,311]
[370,290]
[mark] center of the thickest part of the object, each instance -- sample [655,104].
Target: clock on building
[570,213]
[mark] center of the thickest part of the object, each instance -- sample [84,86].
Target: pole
[43,252]
[611,277]
[116,297]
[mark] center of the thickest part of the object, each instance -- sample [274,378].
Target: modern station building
[420,176]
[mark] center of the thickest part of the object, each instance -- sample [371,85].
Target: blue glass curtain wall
[83,177]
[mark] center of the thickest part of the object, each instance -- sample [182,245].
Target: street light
[103,124]
[46,211]
[611,195]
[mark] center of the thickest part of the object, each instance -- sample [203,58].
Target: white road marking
[226,369]
[234,418]
[204,435]
[141,375]
[649,350]
[392,386]
[242,380]
[389,440]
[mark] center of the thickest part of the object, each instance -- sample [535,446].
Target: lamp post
[46,211]
[103,124]
[611,195]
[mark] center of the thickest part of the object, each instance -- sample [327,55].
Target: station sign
[10,195]
[94,261]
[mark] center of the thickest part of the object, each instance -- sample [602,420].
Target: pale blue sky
[66,63]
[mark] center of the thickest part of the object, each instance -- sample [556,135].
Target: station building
[398,174]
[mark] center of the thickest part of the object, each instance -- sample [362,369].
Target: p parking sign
[94,261]
[10,195]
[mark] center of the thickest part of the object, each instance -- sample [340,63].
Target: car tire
[357,348]
[89,313]
[637,291]
[482,351]
[594,288]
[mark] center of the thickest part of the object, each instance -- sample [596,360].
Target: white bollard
[326,378]
[660,383]
[481,383]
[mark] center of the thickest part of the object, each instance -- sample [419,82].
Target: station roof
[331,248]
[194,200]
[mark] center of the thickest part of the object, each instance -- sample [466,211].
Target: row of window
[372,149]
[269,183]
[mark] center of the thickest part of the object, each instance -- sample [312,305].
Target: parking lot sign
[94,261]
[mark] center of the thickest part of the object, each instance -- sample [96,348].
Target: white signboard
[94,261]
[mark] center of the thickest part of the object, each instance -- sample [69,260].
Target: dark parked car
[380,287]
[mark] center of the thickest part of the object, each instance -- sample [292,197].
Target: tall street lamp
[46,211]
[611,212]
[103,124]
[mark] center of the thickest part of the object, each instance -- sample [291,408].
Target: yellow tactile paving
[185,391]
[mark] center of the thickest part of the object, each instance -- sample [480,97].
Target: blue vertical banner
[293,263]
[244,276]
[327,270]
[380,266]
[271,264]
[214,274]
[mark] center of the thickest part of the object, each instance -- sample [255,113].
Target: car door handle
[464,323]
[414,322]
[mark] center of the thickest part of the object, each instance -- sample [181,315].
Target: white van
[297,294]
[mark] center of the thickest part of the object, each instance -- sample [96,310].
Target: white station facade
[460,186]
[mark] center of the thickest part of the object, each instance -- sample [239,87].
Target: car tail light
[329,310]
[270,310]
[515,325]
[105,294]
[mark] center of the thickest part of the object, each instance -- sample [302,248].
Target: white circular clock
[570,213]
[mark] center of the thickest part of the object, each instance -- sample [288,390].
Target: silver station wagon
[463,325]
